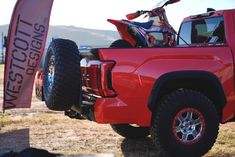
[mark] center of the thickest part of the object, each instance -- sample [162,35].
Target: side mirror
[132,16]
[173,1]
[210,9]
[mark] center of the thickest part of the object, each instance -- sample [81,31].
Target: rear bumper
[114,111]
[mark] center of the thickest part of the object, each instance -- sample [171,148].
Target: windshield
[210,30]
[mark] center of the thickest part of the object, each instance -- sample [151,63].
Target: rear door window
[210,30]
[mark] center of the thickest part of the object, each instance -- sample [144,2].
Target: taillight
[106,79]
[39,74]
[97,79]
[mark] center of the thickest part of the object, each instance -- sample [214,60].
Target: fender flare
[204,75]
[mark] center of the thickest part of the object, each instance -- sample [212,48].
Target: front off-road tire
[130,131]
[185,124]
[62,80]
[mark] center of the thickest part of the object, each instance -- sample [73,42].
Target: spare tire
[62,78]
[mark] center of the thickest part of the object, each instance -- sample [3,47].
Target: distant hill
[82,36]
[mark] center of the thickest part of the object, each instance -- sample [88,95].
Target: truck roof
[208,14]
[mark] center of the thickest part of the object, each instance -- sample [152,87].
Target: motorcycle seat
[145,25]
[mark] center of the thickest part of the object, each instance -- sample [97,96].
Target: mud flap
[26,41]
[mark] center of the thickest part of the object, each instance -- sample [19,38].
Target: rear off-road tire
[185,124]
[62,80]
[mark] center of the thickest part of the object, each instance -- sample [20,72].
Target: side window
[185,33]
[210,30]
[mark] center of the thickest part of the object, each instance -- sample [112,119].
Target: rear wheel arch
[205,82]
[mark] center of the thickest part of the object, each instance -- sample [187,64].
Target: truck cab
[202,29]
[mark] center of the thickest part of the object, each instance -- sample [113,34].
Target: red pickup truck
[179,95]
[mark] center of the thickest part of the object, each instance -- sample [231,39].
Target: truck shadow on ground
[140,147]
[145,148]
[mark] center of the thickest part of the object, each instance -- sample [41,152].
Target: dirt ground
[39,127]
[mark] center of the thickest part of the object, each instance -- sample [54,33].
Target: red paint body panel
[136,71]
[133,79]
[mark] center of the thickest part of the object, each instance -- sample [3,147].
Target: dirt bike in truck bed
[179,95]
[157,32]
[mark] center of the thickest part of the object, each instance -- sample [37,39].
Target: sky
[94,13]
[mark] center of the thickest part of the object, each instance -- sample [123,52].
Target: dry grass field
[41,128]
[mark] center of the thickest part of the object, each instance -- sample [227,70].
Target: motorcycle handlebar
[132,16]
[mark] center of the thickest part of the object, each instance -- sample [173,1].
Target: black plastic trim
[204,75]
